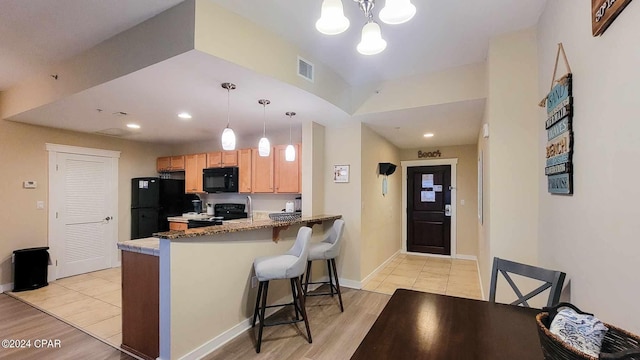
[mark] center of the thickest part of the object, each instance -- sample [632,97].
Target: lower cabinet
[141,304]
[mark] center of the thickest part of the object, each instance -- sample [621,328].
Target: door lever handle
[447,210]
[108,218]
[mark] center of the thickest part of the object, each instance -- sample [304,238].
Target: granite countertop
[148,246]
[242,225]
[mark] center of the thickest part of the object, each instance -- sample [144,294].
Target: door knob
[108,218]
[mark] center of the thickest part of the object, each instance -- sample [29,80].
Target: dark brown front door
[428,209]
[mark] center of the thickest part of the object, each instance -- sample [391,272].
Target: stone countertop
[148,246]
[243,225]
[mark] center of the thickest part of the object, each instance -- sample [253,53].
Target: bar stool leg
[335,272]
[255,313]
[330,281]
[262,310]
[303,308]
[306,285]
[294,295]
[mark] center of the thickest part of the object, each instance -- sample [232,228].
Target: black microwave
[217,180]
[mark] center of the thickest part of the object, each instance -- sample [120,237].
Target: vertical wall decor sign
[559,127]
[603,12]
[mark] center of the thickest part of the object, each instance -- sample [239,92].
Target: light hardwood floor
[92,302]
[21,321]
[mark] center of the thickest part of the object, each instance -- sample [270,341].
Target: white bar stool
[288,266]
[328,250]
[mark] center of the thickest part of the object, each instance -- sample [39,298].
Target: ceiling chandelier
[332,21]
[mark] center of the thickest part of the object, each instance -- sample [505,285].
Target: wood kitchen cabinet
[193,166]
[222,159]
[170,163]
[262,172]
[174,225]
[244,170]
[287,173]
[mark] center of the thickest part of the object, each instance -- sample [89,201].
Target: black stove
[224,211]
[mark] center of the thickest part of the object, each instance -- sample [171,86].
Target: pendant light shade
[264,147]
[290,153]
[228,136]
[371,42]
[332,20]
[397,11]
[290,150]
[228,139]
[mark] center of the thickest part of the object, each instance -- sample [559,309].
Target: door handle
[447,210]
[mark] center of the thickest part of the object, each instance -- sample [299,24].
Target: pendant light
[228,136]
[264,147]
[290,151]
[332,20]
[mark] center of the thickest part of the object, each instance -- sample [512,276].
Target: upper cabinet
[244,170]
[194,164]
[170,163]
[222,159]
[287,173]
[261,172]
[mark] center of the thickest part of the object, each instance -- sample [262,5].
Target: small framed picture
[341,173]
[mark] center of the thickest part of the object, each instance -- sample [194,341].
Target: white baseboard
[6,287]
[467,257]
[351,284]
[218,341]
[374,272]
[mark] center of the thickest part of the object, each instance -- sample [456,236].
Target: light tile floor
[91,302]
[430,274]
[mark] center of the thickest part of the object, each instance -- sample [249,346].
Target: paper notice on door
[428,196]
[427,180]
[437,188]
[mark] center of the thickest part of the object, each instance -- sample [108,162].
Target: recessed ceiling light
[133,126]
[184,115]
[428,135]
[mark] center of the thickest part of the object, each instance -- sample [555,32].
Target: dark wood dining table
[419,325]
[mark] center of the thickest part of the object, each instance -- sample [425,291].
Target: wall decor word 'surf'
[603,12]
[429,154]
[559,127]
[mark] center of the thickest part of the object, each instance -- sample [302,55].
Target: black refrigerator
[153,200]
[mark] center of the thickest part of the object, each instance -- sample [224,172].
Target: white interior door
[83,193]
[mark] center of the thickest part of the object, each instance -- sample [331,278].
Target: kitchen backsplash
[266,203]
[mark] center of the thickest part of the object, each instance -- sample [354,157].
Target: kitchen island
[206,293]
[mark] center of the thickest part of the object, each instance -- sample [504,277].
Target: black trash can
[30,268]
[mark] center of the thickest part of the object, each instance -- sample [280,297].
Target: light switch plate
[30,184]
[39,205]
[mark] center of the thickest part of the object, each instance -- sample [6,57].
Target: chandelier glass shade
[332,20]
[371,42]
[397,12]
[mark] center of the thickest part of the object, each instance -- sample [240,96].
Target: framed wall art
[341,173]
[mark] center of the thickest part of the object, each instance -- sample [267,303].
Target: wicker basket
[617,344]
[284,216]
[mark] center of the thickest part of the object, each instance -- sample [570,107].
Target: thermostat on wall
[30,184]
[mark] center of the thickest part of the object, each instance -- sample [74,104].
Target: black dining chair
[551,279]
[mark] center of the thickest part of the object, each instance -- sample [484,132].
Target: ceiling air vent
[305,69]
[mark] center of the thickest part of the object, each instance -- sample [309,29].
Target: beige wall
[227,35]
[342,147]
[24,158]
[512,115]
[313,169]
[593,234]
[381,215]
[467,192]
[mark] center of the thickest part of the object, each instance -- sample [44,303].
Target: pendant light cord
[290,121]
[228,105]
[264,119]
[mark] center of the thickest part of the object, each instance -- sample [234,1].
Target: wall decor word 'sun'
[559,127]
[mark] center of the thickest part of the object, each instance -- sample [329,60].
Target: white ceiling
[442,35]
